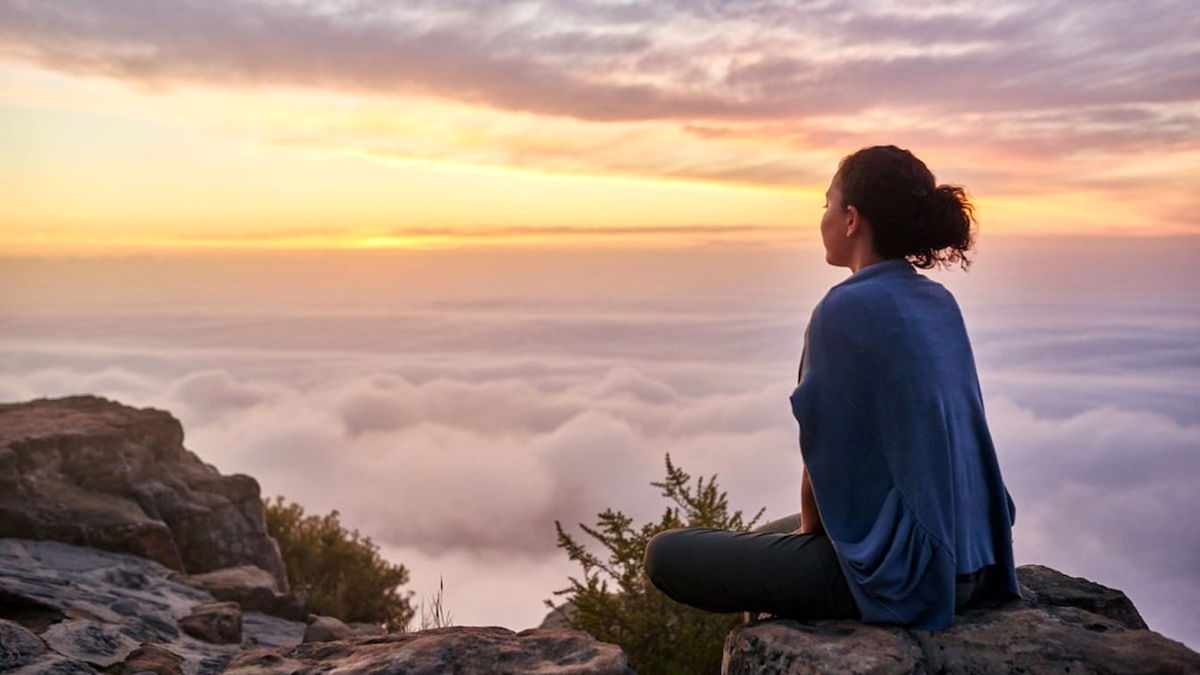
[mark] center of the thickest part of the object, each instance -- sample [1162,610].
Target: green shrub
[658,634]
[342,572]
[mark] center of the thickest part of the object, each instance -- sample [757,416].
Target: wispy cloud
[740,62]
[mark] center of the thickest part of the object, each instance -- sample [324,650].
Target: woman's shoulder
[860,301]
[895,311]
[882,294]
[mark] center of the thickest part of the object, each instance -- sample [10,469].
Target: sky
[460,269]
[149,125]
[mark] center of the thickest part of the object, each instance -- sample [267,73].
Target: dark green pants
[768,570]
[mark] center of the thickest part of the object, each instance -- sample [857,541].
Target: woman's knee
[662,555]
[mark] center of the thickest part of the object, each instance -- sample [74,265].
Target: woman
[904,517]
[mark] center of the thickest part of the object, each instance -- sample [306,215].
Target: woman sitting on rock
[904,514]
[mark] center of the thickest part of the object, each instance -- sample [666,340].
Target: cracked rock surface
[1061,624]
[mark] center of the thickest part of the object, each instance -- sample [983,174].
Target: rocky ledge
[1061,624]
[86,470]
[122,552]
[74,609]
[464,650]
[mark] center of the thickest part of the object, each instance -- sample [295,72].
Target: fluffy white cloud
[459,456]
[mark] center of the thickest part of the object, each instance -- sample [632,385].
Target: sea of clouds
[452,405]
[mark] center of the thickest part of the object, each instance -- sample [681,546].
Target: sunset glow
[127,135]
[463,270]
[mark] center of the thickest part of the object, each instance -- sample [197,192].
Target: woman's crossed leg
[768,570]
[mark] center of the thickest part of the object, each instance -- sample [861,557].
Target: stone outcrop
[253,589]
[73,609]
[80,609]
[326,629]
[86,470]
[1061,624]
[216,622]
[465,650]
[121,551]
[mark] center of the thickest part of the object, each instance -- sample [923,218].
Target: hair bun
[909,213]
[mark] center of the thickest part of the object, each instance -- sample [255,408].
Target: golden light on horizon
[95,163]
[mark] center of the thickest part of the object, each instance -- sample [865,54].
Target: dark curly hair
[910,215]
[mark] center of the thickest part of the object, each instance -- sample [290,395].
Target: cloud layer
[547,402]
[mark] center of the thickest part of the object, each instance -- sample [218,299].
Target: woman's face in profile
[833,227]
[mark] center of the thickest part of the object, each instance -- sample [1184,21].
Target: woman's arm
[810,517]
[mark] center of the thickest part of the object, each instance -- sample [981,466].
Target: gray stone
[18,646]
[361,628]
[95,642]
[151,658]
[264,630]
[43,583]
[90,471]
[1053,588]
[1041,632]
[326,629]
[53,664]
[1045,639]
[559,617]
[215,622]
[254,588]
[784,646]
[463,650]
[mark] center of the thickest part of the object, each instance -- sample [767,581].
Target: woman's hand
[810,517]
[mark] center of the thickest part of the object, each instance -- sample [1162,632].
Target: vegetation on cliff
[658,634]
[341,571]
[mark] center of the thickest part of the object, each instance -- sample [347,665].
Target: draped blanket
[897,447]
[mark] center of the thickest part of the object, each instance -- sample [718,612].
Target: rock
[18,646]
[151,658]
[1044,639]
[1051,587]
[368,629]
[326,629]
[53,664]
[95,642]
[90,471]
[464,650]
[264,630]
[559,617]
[253,588]
[1061,624]
[215,622]
[782,646]
[44,584]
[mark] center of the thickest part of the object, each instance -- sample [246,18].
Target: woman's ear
[853,220]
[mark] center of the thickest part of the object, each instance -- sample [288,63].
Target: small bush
[342,572]
[658,634]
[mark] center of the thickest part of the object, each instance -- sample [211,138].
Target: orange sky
[278,127]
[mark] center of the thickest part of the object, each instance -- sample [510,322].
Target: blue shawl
[893,434]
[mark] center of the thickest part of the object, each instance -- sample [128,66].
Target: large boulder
[254,589]
[86,470]
[465,650]
[1060,624]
